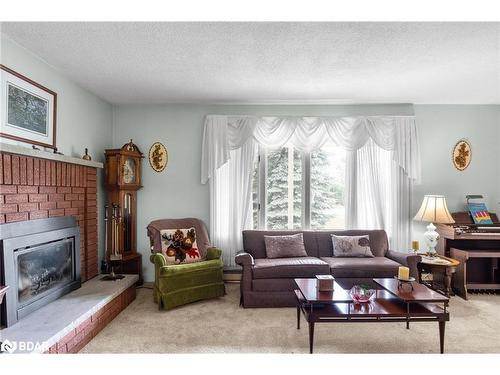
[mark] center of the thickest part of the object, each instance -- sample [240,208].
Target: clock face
[129,171]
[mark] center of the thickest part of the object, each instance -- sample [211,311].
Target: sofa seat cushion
[362,267]
[266,268]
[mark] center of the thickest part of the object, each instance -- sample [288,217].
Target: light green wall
[440,127]
[178,192]
[83,120]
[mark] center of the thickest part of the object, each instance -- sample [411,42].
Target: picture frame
[158,157]
[29,110]
[461,155]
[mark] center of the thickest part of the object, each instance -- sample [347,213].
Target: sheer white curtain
[378,194]
[231,199]
[382,163]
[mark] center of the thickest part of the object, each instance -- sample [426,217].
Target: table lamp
[433,210]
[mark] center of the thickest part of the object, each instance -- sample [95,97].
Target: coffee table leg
[298,316]
[311,336]
[441,336]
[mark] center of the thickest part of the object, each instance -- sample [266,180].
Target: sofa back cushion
[317,243]
[288,246]
[254,244]
[378,240]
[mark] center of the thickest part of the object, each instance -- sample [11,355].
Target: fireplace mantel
[19,150]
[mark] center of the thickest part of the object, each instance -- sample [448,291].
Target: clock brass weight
[122,181]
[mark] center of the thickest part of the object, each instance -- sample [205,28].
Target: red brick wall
[32,188]
[74,341]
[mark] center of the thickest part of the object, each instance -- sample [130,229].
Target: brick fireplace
[33,187]
[38,185]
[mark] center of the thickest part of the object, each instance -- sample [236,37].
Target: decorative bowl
[361,294]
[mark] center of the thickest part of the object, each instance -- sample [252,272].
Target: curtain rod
[259,116]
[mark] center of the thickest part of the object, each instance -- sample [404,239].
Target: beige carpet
[221,326]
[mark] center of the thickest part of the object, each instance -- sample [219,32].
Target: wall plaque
[462,154]
[158,157]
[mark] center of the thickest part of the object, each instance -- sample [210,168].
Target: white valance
[392,133]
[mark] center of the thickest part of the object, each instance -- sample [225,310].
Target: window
[327,188]
[295,190]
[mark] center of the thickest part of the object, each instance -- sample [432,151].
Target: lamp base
[431,239]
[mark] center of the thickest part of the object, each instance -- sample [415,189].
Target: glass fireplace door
[43,269]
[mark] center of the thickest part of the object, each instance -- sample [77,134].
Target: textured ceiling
[273,62]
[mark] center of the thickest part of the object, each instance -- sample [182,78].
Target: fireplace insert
[40,262]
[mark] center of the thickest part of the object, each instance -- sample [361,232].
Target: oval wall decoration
[158,157]
[462,154]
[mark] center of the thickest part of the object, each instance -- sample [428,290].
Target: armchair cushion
[181,269]
[156,226]
[179,245]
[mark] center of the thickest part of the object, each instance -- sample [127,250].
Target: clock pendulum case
[122,180]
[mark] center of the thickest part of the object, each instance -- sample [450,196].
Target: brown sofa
[269,282]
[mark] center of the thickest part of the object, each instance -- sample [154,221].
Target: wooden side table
[446,269]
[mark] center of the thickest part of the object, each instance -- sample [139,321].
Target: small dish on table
[361,294]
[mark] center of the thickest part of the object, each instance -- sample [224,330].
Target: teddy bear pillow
[179,246]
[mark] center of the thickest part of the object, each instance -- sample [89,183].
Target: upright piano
[477,247]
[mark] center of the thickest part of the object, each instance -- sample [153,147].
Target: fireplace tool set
[111,235]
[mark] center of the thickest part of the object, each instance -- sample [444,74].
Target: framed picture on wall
[28,110]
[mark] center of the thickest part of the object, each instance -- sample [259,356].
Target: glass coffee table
[393,302]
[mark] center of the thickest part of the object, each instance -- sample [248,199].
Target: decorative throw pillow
[179,246]
[285,246]
[351,246]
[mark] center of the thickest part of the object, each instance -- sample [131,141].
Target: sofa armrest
[244,259]
[158,259]
[406,259]
[213,253]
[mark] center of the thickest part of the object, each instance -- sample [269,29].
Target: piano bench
[463,280]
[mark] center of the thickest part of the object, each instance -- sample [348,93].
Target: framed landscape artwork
[28,110]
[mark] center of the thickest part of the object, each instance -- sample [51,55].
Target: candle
[403,273]
[415,246]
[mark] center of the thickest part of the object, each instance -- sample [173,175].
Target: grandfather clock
[123,179]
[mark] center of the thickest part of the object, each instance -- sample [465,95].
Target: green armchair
[179,284]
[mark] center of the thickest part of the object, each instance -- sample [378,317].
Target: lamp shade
[434,210]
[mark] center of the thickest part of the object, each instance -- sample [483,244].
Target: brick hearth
[36,188]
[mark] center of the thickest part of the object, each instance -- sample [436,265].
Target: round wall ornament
[158,157]
[462,154]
